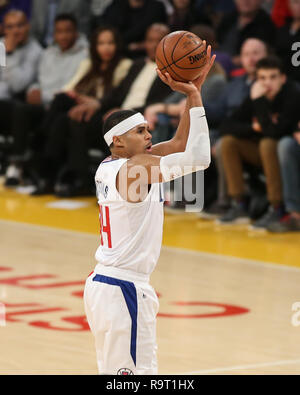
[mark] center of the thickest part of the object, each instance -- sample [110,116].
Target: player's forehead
[138,127]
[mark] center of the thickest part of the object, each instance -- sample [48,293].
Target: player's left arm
[178,142]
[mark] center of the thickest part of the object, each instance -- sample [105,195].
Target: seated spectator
[249,20]
[287,35]
[138,89]
[238,88]
[95,78]
[105,68]
[58,65]
[289,159]
[229,100]
[132,18]
[44,13]
[251,135]
[20,5]
[22,56]
[60,61]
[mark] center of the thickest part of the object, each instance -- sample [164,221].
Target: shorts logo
[125,372]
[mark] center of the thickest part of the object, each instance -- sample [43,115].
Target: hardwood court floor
[219,313]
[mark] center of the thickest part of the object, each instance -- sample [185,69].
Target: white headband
[123,127]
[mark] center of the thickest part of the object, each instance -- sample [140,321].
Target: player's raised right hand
[186,88]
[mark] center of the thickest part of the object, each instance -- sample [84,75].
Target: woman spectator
[95,78]
[104,70]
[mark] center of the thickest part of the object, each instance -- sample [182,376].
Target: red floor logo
[15,312]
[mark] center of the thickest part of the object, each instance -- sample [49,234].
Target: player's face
[65,34]
[272,80]
[138,140]
[106,46]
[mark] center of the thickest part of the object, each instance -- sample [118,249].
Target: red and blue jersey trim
[109,159]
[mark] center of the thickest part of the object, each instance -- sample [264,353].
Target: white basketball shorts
[121,311]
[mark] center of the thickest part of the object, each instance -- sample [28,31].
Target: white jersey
[131,233]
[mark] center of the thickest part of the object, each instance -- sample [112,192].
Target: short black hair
[270,63]
[67,17]
[115,118]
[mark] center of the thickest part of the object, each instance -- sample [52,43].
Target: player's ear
[118,141]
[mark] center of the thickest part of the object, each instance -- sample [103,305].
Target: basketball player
[121,306]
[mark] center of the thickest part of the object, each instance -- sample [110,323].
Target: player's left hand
[183,87]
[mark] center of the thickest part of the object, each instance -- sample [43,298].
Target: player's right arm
[187,152]
[192,91]
[144,169]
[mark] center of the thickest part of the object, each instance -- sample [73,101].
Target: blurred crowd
[70,63]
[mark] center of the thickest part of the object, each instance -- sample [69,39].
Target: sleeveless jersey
[131,233]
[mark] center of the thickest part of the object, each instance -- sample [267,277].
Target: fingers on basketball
[182,54]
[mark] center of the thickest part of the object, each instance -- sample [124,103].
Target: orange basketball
[181,54]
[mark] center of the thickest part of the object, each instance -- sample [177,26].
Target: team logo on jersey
[102,188]
[125,372]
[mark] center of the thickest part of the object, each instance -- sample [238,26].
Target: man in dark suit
[140,88]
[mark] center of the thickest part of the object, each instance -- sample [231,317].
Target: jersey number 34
[105,225]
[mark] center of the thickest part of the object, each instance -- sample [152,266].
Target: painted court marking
[226,258]
[245,367]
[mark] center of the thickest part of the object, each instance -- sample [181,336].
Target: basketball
[182,54]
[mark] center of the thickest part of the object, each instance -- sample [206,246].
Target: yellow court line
[182,231]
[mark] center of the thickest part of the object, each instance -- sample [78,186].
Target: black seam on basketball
[177,60]
[172,59]
[163,48]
